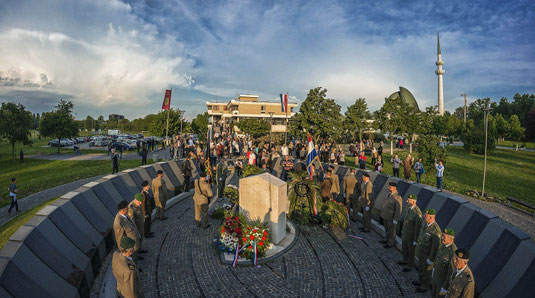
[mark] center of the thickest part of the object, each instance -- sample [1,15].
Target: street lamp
[181,116]
[271,126]
[486,119]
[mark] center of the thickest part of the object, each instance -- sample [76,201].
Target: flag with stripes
[284,103]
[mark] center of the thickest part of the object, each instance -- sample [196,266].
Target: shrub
[250,170]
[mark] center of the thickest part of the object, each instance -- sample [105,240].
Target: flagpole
[286,108]
[167,129]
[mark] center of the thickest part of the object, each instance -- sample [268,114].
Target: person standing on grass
[143,154]
[440,174]
[407,167]
[395,165]
[379,164]
[419,170]
[13,195]
[114,162]
[21,156]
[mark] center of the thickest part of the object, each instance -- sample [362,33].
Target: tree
[158,125]
[199,125]
[319,116]
[429,149]
[89,123]
[502,126]
[516,132]
[530,125]
[474,136]
[59,123]
[15,124]
[390,118]
[254,127]
[356,118]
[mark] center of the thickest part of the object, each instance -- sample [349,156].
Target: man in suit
[461,281]
[351,193]
[125,270]
[161,195]
[444,265]
[426,248]
[390,213]
[135,212]
[201,198]
[409,234]
[335,188]
[366,202]
[221,177]
[125,226]
[147,209]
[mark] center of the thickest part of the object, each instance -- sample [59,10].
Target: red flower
[238,230]
[244,239]
[251,237]
[254,231]
[223,230]
[261,243]
[265,233]
[264,238]
[228,218]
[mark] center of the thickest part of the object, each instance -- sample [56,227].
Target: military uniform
[161,195]
[426,248]
[136,214]
[335,187]
[325,189]
[147,212]
[443,267]
[409,235]
[127,275]
[125,226]
[462,284]
[221,176]
[351,193]
[203,193]
[367,200]
[390,212]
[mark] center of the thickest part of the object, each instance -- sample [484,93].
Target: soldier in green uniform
[390,213]
[123,226]
[350,193]
[461,281]
[426,249]
[125,270]
[444,262]
[366,200]
[135,212]
[221,177]
[146,207]
[409,234]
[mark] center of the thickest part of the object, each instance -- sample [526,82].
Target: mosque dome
[406,96]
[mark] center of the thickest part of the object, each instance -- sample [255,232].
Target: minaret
[439,73]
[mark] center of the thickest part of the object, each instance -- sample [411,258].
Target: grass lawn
[509,173]
[512,144]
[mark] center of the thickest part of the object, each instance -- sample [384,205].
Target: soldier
[335,187]
[326,186]
[410,232]
[161,195]
[444,262]
[125,270]
[461,281]
[201,198]
[390,213]
[221,177]
[147,209]
[350,193]
[426,249]
[125,226]
[135,212]
[186,171]
[366,200]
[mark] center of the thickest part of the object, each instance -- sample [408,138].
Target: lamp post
[464,111]
[486,119]
[181,117]
[271,126]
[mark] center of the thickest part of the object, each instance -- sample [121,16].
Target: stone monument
[265,197]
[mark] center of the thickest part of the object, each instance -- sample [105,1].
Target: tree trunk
[59,144]
[516,146]
[360,140]
[13,150]
[391,144]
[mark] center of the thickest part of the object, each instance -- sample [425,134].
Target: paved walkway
[161,154]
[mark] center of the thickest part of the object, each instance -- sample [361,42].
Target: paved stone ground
[182,261]
[162,154]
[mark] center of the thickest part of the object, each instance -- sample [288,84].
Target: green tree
[89,123]
[101,123]
[15,124]
[390,118]
[254,127]
[59,123]
[530,125]
[502,126]
[319,116]
[199,125]
[429,149]
[158,125]
[516,132]
[356,118]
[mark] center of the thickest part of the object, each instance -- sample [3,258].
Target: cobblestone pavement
[182,261]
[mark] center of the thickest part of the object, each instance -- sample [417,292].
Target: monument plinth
[265,197]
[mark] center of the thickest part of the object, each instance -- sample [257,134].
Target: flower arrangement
[232,193]
[258,234]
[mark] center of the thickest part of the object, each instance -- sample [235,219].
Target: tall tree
[529,133]
[390,118]
[15,124]
[159,123]
[318,115]
[199,125]
[357,116]
[254,127]
[516,132]
[89,123]
[502,126]
[59,123]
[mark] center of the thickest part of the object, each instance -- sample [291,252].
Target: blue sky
[111,56]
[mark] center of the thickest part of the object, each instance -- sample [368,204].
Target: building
[407,98]
[249,106]
[116,117]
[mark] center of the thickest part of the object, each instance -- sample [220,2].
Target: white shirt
[457,271]
[430,224]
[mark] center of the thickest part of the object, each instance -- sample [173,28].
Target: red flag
[166,100]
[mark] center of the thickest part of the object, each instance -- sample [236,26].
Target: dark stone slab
[460,219]
[424,197]
[24,274]
[381,195]
[4,293]
[168,182]
[171,174]
[448,210]
[151,171]
[106,193]
[100,203]
[403,186]
[437,201]
[177,170]
[378,183]
[472,230]
[136,177]
[129,182]
[125,191]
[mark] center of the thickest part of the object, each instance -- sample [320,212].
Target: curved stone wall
[60,250]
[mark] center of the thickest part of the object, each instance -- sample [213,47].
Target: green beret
[449,231]
[430,211]
[463,253]
[413,197]
[127,242]
[139,197]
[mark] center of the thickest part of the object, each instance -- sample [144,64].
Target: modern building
[250,106]
[407,98]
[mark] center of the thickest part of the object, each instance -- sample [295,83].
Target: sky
[111,56]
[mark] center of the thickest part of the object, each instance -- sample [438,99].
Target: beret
[366,175]
[203,175]
[463,253]
[413,197]
[123,204]
[127,242]
[144,183]
[331,167]
[139,197]
[160,172]
[393,184]
[430,211]
[449,231]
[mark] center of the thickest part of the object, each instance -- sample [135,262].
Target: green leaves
[254,127]
[356,117]
[59,123]
[158,124]
[199,125]
[319,116]
[15,124]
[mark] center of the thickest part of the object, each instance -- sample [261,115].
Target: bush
[335,214]
[474,141]
[429,149]
[232,193]
[250,170]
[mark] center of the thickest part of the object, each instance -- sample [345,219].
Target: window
[215,108]
[209,108]
[262,109]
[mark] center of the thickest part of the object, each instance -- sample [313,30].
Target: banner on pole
[166,100]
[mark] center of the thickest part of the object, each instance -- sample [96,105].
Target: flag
[166,100]
[312,154]
[236,253]
[284,103]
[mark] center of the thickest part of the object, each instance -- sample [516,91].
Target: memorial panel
[472,230]
[448,210]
